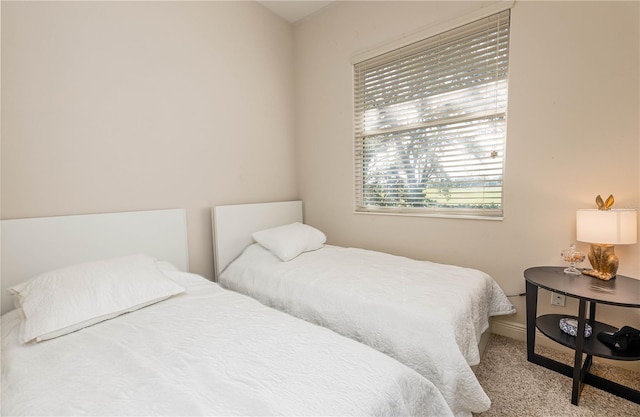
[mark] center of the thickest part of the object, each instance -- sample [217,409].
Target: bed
[429,316]
[195,349]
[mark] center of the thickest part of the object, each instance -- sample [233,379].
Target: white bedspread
[429,316]
[206,352]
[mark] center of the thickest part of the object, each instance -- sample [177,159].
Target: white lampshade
[609,227]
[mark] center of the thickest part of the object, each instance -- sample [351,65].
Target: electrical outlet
[557,299]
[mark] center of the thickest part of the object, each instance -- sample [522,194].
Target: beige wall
[116,106]
[573,133]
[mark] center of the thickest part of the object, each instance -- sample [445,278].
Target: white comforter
[429,316]
[206,352]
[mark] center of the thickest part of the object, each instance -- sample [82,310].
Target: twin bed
[199,349]
[430,317]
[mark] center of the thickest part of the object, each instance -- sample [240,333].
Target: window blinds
[430,125]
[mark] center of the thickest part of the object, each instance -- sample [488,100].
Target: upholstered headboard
[36,245]
[234,224]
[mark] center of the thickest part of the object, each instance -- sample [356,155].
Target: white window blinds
[430,123]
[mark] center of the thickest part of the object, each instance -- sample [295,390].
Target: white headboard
[36,245]
[234,224]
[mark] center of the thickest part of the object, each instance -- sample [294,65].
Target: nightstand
[621,291]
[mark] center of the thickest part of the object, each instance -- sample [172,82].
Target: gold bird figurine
[604,205]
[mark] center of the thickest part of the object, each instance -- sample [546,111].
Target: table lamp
[605,227]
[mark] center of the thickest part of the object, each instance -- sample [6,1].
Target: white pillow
[65,300]
[289,241]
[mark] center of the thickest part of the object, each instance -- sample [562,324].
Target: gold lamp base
[604,262]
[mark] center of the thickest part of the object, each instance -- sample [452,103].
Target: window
[430,124]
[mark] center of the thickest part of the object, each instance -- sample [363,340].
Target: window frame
[390,49]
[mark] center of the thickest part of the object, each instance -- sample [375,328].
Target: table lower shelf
[549,326]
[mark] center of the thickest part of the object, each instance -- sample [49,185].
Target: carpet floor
[517,387]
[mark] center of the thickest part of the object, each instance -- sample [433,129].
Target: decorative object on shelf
[574,257]
[605,227]
[570,326]
[625,339]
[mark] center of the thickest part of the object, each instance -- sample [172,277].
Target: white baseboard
[518,331]
[510,329]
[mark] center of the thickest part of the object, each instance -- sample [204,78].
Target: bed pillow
[289,241]
[68,299]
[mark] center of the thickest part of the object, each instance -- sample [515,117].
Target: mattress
[428,316]
[207,351]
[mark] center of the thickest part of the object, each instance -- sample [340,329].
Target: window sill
[432,215]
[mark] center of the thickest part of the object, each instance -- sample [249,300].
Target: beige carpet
[520,388]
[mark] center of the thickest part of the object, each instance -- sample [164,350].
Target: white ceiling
[294,10]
